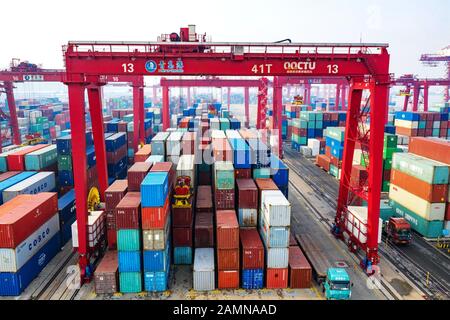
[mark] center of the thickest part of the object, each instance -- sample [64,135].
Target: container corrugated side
[40,182]
[41,159]
[130,282]
[182,255]
[276,209]
[173,143]
[129,261]
[423,208]
[154,189]
[156,281]
[203,275]
[14,180]
[274,236]
[277,257]
[430,171]
[12,260]
[156,260]
[13,283]
[156,239]
[252,278]
[128,240]
[248,217]
[186,167]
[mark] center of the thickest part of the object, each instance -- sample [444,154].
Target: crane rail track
[435,288]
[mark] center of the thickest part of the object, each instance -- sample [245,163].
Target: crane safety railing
[346,49]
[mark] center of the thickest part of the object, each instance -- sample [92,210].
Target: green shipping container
[261,173]
[388,152]
[128,240]
[386,211]
[319,116]
[430,171]
[130,282]
[64,162]
[41,159]
[429,229]
[334,171]
[337,133]
[390,141]
[387,164]
[364,159]
[296,138]
[224,175]
[385,186]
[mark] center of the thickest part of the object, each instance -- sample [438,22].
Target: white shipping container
[40,182]
[248,217]
[214,124]
[406,124]
[306,151]
[232,134]
[186,167]
[96,227]
[218,134]
[11,260]
[357,156]
[173,145]
[358,226]
[276,209]
[428,211]
[204,278]
[277,257]
[314,145]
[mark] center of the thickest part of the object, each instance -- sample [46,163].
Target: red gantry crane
[434,59]
[411,81]
[29,72]
[365,65]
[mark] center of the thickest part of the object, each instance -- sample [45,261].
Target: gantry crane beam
[365,65]
[417,85]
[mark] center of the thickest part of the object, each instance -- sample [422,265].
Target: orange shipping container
[430,192]
[228,279]
[431,148]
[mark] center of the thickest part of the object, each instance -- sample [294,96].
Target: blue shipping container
[115,169]
[157,260]
[129,261]
[252,278]
[154,189]
[182,255]
[155,281]
[279,171]
[14,180]
[65,178]
[13,283]
[66,206]
[115,141]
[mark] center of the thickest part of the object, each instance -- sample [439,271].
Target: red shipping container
[204,230]
[115,192]
[276,278]
[265,184]
[22,215]
[155,217]
[430,192]
[122,126]
[327,152]
[106,274]
[436,149]
[300,272]
[168,167]
[128,211]
[228,279]
[110,219]
[252,249]
[143,153]
[136,174]
[386,175]
[182,236]
[224,199]
[182,217]
[242,173]
[335,161]
[227,229]
[247,194]
[323,161]
[16,160]
[115,156]
[204,199]
[359,175]
[112,239]
[228,259]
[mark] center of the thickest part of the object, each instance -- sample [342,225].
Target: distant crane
[434,60]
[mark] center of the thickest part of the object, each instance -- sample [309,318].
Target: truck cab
[337,285]
[399,230]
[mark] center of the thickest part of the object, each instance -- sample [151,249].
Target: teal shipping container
[130,282]
[428,229]
[427,170]
[182,255]
[224,175]
[128,240]
[261,173]
[42,158]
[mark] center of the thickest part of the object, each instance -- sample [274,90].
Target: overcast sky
[36,30]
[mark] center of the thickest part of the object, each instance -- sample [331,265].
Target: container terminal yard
[181,168]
